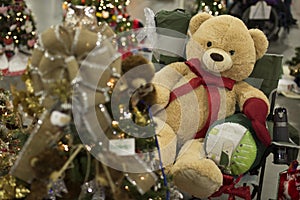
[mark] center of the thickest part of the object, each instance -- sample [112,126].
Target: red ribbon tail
[242,192]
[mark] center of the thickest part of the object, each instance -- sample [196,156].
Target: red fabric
[126,54]
[289,182]
[211,83]
[257,111]
[209,78]
[136,24]
[214,107]
[229,188]
[6,72]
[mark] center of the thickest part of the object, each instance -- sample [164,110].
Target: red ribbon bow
[211,83]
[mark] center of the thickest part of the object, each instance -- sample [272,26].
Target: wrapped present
[289,182]
[66,55]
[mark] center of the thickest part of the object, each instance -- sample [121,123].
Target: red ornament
[8,41]
[30,43]
[9,54]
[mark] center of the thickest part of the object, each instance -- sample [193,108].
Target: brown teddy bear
[189,96]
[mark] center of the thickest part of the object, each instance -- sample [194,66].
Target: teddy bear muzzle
[216,60]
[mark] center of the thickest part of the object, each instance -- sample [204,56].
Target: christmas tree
[12,138]
[294,66]
[213,7]
[295,59]
[17,36]
[17,27]
[112,12]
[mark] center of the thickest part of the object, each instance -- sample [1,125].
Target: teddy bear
[189,96]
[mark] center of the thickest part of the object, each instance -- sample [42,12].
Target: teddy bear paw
[199,178]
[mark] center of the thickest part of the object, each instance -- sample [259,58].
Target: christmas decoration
[12,138]
[17,36]
[213,7]
[294,67]
[112,12]
[52,70]
[72,75]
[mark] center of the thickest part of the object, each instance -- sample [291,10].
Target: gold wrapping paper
[37,54]
[57,40]
[38,141]
[84,42]
[72,67]
[48,65]
[36,82]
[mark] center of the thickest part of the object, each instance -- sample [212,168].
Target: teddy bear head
[224,45]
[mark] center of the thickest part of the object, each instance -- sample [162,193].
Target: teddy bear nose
[217,57]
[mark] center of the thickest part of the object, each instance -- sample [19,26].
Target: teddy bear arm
[255,105]
[244,91]
[164,82]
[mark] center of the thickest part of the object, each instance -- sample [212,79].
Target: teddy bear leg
[167,141]
[193,173]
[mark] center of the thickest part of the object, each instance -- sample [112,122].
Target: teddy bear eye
[232,52]
[209,44]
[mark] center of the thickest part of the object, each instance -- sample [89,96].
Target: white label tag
[122,147]
[59,119]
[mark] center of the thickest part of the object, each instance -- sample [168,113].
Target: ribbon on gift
[53,69]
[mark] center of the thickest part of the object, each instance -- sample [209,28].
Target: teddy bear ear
[197,20]
[261,42]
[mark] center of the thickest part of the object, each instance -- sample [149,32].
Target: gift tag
[122,147]
[59,119]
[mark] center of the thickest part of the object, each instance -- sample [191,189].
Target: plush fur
[225,47]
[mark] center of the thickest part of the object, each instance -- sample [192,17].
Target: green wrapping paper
[233,145]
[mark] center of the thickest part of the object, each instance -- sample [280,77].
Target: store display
[111,111]
[205,51]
